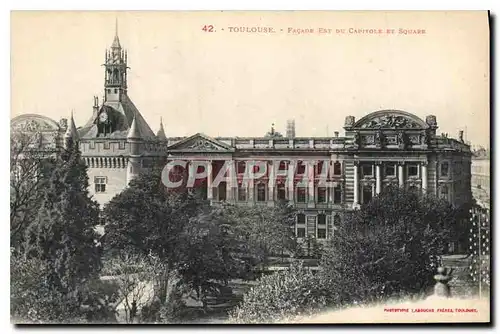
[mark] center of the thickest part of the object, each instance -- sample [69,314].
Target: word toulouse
[301,171]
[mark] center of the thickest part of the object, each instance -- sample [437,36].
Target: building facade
[385,147]
[481,177]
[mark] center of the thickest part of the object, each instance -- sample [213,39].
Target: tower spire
[116,40]
[161,132]
[71,135]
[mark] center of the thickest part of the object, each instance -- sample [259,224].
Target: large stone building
[384,147]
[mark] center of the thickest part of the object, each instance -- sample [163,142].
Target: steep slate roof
[127,109]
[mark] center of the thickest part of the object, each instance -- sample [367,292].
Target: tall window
[337,168]
[100,184]
[261,192]
[241,167]
[121,145]
[301,225]
[444,192]
[337,195]
[301,167]
[222,191]
[321,227]
[336,223]
[367,194]
[282,165]
[445,167]
[281,191]
[242,194]
[322,195]
[301,194]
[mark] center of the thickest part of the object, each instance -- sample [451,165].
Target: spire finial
[116,40]
[272,128]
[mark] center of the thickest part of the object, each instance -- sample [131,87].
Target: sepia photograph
[250,167]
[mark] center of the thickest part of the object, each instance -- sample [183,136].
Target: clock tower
[115,75]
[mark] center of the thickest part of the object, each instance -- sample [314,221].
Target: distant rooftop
[481,153]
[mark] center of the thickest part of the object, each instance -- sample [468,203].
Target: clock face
[103,117]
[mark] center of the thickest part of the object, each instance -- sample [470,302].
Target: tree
[30,169]
[263,231]
[63,235]
[149,220]
[389,247]
[207,246]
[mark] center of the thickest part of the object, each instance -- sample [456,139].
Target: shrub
[292,292]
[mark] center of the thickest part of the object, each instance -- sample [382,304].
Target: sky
[225,83]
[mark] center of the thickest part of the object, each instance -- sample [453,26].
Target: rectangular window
[242,195]
[283,165]
[301,167]
[337,168]
[322,195]
[412,170]
[121,145]
[241,167]
[337,195]
[445,166]
[261,192]
[367,170]
[367,194]
[301,232]
[100,184]
[92,145]
[301,228]
[281,192]
[444,192]
[390,170]
[321,230]
[301,194]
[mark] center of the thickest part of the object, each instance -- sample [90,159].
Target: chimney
[290,128]
[336,134]
[461,135]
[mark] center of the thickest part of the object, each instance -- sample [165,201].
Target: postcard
[237,167]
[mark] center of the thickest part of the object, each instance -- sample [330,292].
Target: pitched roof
[128,111]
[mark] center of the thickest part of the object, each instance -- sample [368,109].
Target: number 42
[209,28]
